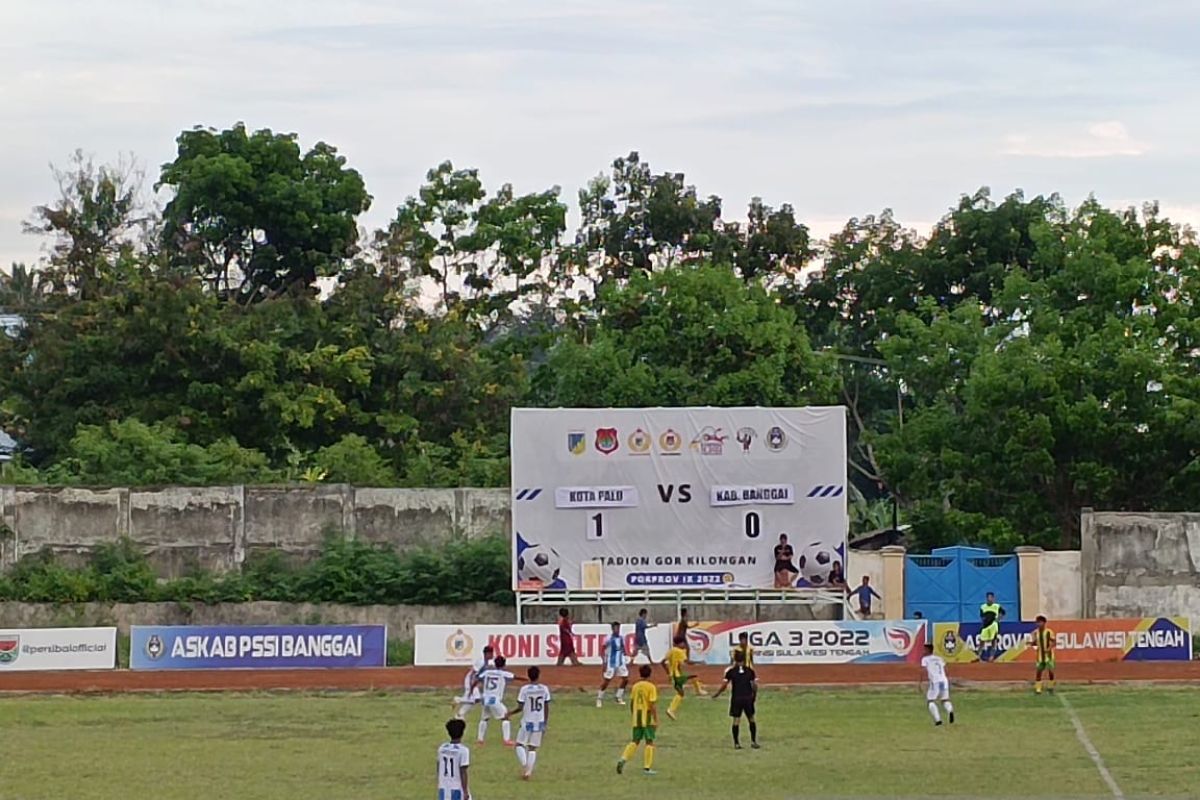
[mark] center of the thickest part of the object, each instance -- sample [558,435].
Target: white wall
[1061,585]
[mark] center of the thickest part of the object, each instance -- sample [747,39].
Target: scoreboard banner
[670,498]
[439,645]
[849,642]
[1145,639]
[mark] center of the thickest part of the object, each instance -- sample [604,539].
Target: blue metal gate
[951,583]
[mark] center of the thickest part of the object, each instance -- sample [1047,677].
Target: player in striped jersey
[533,701]
[615,664]
[494,682]
[470,695]
[454,760]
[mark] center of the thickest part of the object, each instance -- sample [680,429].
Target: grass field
[863,743]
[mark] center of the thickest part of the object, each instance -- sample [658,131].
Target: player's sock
[620,694]
[1037,687]
[933,712]
[1052,684]
[522,758]
[506,729]
[532,761]
[736,736]
[946,704]
[753,731]
[482,729]
[629,750]
[463,710]
[698,685]
[648,756]
[676,701]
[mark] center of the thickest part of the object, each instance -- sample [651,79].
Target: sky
[840,107]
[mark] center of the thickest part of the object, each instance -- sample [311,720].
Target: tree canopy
[1018,362]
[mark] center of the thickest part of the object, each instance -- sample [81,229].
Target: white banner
[679,498]
[39,649]
[780,494]
[439,645]
[595,497]
[848,642]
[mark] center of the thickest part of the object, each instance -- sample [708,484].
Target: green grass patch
[868,744]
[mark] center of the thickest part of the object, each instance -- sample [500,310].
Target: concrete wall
[215,528]
[1137,565]
[1061,585]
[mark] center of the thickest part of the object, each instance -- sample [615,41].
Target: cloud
[1100,140]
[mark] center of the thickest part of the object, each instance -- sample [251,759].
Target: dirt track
[560,677]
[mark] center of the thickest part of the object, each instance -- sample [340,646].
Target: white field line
[1081,734]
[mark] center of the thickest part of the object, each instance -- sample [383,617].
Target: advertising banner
[526,644]
[847,642]
[670,498]
[38,649]
[257,646]
[1145,639]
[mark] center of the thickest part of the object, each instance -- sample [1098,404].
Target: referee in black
[741,699]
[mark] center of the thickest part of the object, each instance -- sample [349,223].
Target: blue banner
[257,646]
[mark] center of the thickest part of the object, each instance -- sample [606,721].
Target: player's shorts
[644,734]
[530,734]
[680,682]
[938,691]
[786,566]
[989,633]
[739,707]
[1045,664]
[621,672]
[494,709]
[450,794]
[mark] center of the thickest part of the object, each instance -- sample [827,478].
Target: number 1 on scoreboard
[595,527]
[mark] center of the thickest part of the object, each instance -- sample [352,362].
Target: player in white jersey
[939,685]
[470,695]
[533,701]
[495,682]
[454,760]
[615,664]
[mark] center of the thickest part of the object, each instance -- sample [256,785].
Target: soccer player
[744,649]
[614,665]
[939,685]
[643,701]
[495,682]
[533,701]
[674,664]
[566,644]
[470,690]
[741,700]
[641,642]
[681,632]
[1043,639]
[454,759]
[990,614]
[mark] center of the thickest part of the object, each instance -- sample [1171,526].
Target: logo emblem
[776,439]
[900,640]
[950,642]
[576,443]
[710,441]
[670,442]
[154,647]
[745,437]
[639,442]
[10,649]
[699,641]
[606,440]
[459,644]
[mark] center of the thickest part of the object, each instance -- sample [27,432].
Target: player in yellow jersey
[674,664]
[1043,641]
[643,701]
[744,647]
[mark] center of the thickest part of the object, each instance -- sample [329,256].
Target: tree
[256,217]
[688,335]
[95,223]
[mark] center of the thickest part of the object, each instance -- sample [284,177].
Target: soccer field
[857,743]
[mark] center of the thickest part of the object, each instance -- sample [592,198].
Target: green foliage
[347,571]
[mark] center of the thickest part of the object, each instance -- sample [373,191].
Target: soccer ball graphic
[816,562]
[538,563]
